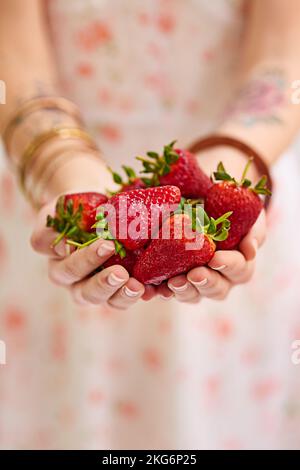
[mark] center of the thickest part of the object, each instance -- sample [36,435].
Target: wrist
[77,170]
[233,160]
[79,173]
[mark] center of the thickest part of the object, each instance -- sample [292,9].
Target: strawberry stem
[157,165]
[246,169]
[61,235]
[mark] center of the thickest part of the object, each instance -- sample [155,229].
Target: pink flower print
[152,359]
[94,35]
[232,443]
[144,18]
[85,70]
[128,409]
[166,23]
[3,253]
[96,396]
[105,96]
[110,132]
[223,327]
[59,342]
[14,319]
[265,388]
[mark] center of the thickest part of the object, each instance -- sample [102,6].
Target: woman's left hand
[225,270]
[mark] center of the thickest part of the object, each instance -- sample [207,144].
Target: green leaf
[212,226]
[246,183]
[165,170]
[153,155]
[129,171]
[117,178]
[221,168]
[223,217]
[220,235]
[220,176]
[147,181]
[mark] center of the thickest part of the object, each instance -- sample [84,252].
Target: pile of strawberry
[168,180]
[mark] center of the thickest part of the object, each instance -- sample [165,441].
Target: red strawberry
[127,262]
[133,182]
[239,197]
[133,216]
[75,216]
[178,168]
[181,246]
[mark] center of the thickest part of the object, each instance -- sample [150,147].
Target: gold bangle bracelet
[37,104]
[40,140]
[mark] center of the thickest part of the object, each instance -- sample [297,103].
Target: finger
[255,238]
[209,283]
[150,292]
[164,292]
[128,295]
[183,290]
[233,265]
[81,263]
[100,287]
[43,237]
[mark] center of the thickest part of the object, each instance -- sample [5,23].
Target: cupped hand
[225,270]
[76,270]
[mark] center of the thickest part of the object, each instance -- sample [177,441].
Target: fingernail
[219,268]
[129,292]
[162,297]
[60,249]
[114,280]
[199,283]
[105,249]
[179,288]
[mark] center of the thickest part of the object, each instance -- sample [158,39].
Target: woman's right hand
[112,286]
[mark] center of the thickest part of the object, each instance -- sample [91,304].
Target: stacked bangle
[36,104]
[63,133]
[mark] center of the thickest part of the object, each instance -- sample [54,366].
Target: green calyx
[66,223]
[130,173]
[260,188]
[103,232]
[216,229]
[158,165]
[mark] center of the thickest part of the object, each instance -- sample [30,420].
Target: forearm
[28,70]
[261,112]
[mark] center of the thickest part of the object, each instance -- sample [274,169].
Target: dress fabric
[217,375]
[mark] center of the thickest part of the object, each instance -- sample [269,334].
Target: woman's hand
[226,269]
[112,286]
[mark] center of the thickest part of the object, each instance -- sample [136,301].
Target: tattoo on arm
[260,100]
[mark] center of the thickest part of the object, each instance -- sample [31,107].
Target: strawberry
[176,167]
[75,215]
[188,244]
[239,197]
[131,217]
[133,182]
[128,261]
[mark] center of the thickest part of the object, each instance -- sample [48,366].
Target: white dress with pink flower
[217,375]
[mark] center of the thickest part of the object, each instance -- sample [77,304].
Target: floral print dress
[217,375]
